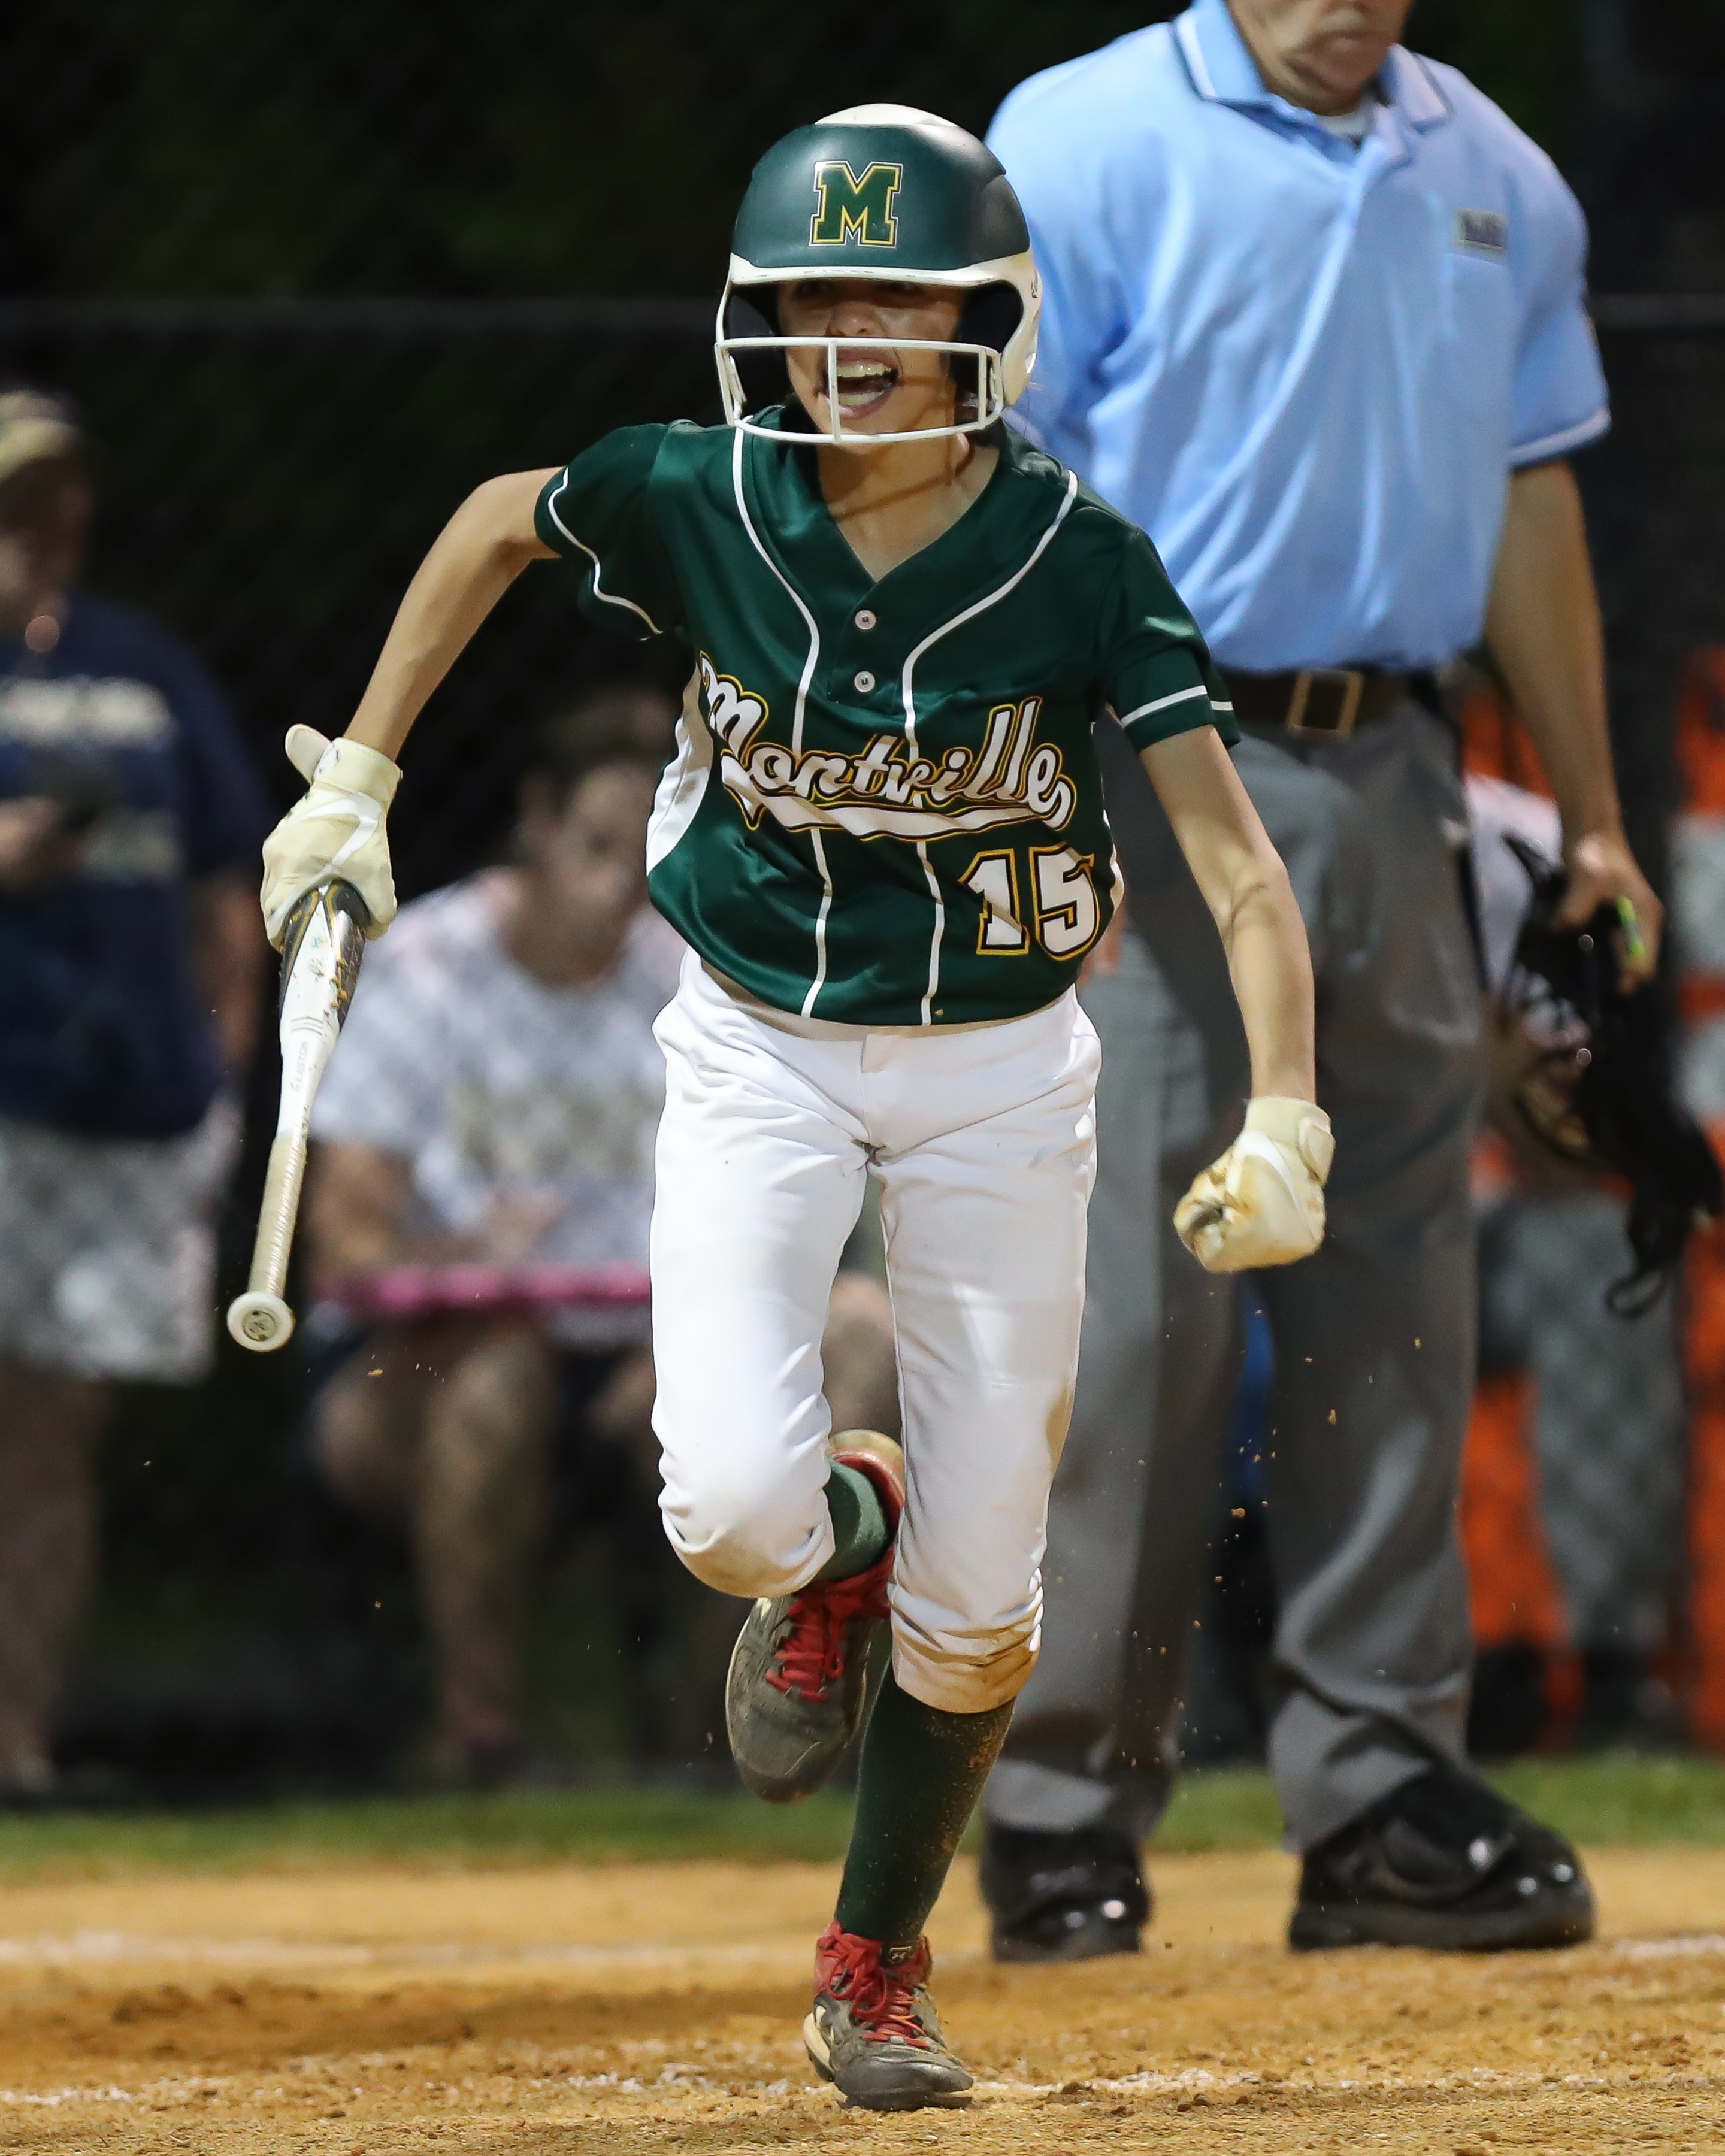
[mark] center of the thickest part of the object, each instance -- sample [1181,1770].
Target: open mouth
[865,380]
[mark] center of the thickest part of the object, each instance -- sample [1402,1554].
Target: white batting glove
[337,830]
[1262,1203]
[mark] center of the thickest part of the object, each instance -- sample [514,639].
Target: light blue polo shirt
[1306,367]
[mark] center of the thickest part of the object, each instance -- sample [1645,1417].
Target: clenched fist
[1262,1203]
[335,831]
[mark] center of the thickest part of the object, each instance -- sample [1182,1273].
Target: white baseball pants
[983,1140]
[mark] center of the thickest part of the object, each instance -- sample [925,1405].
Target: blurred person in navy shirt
[130,955]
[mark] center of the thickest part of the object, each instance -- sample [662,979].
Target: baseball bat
[320,963]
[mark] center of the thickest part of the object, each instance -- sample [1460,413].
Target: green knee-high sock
[920,1774]
[858,1523]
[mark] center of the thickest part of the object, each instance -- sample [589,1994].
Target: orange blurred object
[1495,743]
[1701,768]
[1704,1346]
[1514,1595]
[1701,734]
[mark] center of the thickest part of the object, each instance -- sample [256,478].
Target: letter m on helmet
[847,204]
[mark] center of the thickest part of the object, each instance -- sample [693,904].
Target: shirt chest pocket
[1480,324]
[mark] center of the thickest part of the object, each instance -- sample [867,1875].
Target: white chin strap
[992,402]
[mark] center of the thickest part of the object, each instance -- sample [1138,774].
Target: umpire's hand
[1262,1203]
[1603,872]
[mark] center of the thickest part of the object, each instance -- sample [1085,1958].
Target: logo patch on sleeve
[1482,231]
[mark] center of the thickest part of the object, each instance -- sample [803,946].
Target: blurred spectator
[129,823]
[495,1094]
[1606,1407]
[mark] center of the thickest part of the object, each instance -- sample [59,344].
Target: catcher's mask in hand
[1602,1094]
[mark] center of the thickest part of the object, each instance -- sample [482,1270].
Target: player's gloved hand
[337,830]
[1262,1203]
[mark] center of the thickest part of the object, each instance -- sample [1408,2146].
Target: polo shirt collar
[1224,72]
[1414,90]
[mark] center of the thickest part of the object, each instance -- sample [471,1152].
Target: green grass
[1617,1797]
[1604,1800]
[1225,1808]
[1607,1797]
[511,1826]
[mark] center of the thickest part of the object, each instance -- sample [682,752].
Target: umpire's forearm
[1543,626]
[478,554]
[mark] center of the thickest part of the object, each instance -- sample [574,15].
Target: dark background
[240,148]
[312,271]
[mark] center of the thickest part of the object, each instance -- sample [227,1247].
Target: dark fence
[1655,493]
[271,473]
[273,470]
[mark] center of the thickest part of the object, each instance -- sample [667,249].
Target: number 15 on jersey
[1065,913]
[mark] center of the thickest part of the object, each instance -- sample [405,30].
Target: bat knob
[261,1322]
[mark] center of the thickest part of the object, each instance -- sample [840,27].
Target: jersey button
[866,618]
[863,682]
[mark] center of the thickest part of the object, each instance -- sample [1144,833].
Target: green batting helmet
[887,192]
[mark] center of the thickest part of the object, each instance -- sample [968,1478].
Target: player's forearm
[481,552]
[1246,888]
[1543,626]
[1270,966]
[337,830]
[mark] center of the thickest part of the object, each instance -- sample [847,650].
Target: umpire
[1315,317]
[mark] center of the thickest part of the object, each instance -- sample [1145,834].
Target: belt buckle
[1349,685]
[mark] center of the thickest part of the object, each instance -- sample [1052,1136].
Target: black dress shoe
[1442,1861]
[1064,1897]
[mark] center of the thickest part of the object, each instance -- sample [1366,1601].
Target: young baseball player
[882,837]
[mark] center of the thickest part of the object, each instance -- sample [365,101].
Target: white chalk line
[89,1945]
[1198,2083]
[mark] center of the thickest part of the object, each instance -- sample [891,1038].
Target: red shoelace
[811,1656]
[881,1999]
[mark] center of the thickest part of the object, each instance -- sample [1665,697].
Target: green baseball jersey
[886,810]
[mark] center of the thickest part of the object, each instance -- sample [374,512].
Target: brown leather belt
[1321,703]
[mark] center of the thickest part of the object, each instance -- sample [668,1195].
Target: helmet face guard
[989,398]
[881,193]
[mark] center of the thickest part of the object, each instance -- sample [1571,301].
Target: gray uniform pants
[1375,1335]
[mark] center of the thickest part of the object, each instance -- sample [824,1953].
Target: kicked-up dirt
[580,2011]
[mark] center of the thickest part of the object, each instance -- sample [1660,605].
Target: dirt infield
[360,2013]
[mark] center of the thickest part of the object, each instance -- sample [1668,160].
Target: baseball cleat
[873,2031]
[1442,1861]
[799,1683]
[1069,1897]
